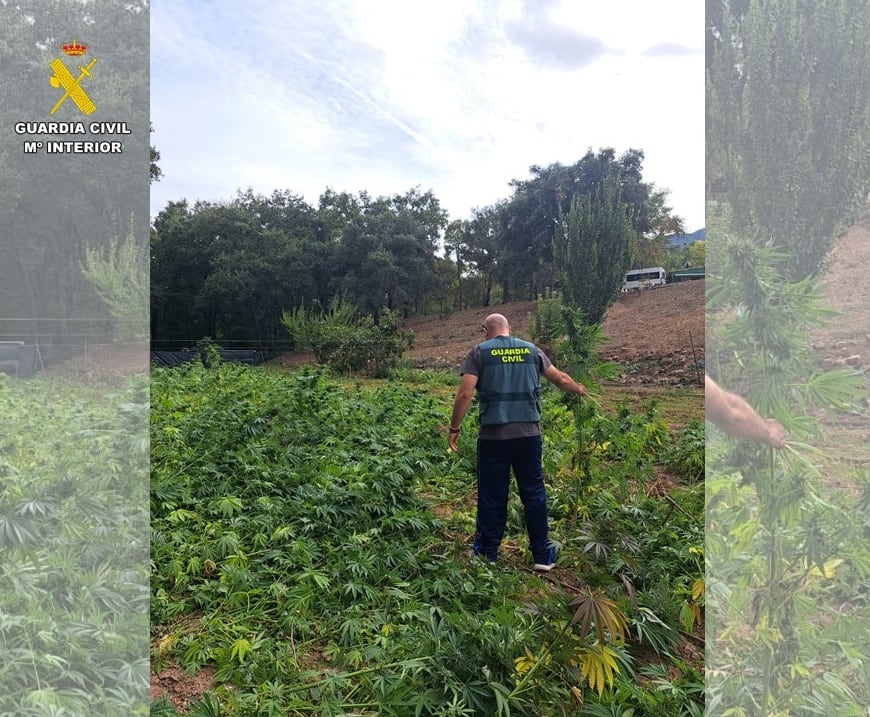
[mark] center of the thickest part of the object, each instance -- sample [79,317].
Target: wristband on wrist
[453,430]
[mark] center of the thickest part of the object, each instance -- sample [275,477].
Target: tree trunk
[459,285]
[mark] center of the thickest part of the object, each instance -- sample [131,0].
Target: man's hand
[776,433]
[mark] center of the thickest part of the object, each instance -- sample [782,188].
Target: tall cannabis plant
[592,249]
[788,121]
[777,546]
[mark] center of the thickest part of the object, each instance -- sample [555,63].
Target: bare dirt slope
[656,335]
[844,340]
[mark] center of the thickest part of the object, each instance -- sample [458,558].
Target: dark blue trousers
[494,462]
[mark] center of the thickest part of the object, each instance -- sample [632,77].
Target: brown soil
[105,364]
[844,342]
[656,335]
[179,687]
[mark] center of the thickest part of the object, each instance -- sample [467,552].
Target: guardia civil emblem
[72,86]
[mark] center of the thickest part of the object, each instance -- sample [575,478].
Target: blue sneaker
[477,550]
[475,553]
[548,563]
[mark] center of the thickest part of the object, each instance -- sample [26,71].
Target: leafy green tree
[282,210]
[386,248]
[336,211]
[228,270]
[484,248]
[446,298]
[455,241]
[592,250]
[695,253]
[296,261]
[650,248]
[529,218]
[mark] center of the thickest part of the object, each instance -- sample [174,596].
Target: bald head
[496,325]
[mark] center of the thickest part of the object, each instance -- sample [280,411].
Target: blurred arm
[735,416]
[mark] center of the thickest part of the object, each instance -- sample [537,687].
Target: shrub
[347,342]
[319,330]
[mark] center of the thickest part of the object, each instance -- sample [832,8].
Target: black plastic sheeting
[18,360]
[169,359]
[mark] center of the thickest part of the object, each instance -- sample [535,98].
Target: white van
[645,278]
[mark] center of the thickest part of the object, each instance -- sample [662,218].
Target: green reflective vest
[509,385]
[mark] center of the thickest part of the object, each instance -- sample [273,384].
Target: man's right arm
[735,416]
[461,402]
[563,381]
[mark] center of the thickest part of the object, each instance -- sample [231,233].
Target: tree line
[227,270]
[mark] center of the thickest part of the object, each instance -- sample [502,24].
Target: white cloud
[449,96]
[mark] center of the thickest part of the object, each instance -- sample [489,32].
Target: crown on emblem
[74,48]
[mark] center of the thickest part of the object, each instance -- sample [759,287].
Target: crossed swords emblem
[71,86]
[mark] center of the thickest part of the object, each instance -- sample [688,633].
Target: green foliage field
[311,544]
[73,534]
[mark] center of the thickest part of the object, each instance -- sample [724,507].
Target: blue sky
[456,96]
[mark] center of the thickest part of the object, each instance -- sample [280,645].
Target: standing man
[735,416]
[506,372]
